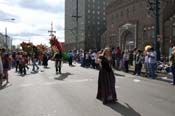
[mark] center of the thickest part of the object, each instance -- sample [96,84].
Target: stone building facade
[131,24]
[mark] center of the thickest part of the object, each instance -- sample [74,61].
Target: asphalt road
[73,93]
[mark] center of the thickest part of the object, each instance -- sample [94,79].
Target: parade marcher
[14,59]
[106,80]
[152,63]
[6,64]
[17,61]
[58,59]
[22,65]
[45,60]
[172,59]
[34,60]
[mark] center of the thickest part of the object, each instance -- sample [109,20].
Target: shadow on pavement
[46,67]
[72,65]
[159,77]
[119,75]
[5,86]
[62,76]
[123,110]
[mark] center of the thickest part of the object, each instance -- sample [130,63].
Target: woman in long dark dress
[106,80]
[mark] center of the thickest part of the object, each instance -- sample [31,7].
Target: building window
[116,15]
[104,18]
[112,19]
[98,12]
[104,13]
[104,3]
[133,9]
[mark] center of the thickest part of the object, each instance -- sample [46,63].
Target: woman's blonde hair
[104,51]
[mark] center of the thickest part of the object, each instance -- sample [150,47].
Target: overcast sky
[32,19]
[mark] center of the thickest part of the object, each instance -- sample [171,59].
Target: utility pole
[6,39]
[155,8]
[77,30]
[158,29]
[51,31]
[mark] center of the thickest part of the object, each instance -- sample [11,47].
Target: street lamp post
[6,36]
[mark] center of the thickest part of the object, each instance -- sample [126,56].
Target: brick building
[131,24]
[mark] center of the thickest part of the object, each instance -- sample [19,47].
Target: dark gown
[106,82]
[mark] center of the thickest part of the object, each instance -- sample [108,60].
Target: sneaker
[172,83]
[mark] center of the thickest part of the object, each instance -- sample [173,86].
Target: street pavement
[73,93]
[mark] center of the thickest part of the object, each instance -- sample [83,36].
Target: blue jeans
[152,69]
[173,72]
[34,64]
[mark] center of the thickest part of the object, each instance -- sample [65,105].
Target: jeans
[152,69]
[173,72]
[34,64]
[138,68]
[58,66]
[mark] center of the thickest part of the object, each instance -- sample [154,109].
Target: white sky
[32,19]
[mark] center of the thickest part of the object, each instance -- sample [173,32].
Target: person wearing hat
[172,59]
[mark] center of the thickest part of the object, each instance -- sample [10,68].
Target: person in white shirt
[152,63]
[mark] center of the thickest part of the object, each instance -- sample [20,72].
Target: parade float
[29,48]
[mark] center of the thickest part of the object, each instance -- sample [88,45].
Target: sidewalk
[160,75]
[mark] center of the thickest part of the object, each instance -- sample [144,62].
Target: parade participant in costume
[6,64]
[106,80]
[59,53]
[58,59]
[34,60]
